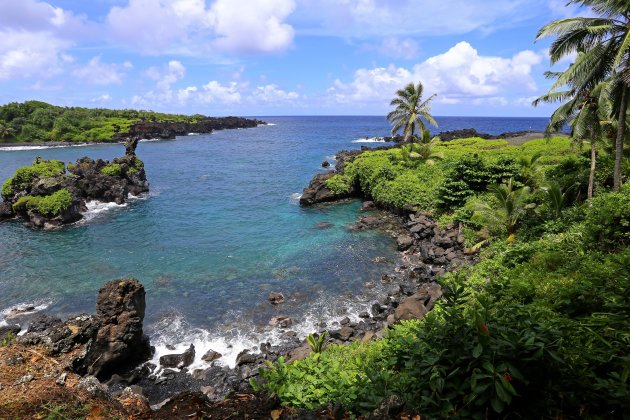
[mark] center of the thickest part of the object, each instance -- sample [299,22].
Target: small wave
[371,140]
[295,197]
[18,148]
[149,140]
[94,208]
[174,335]
[20,309]
[193,134]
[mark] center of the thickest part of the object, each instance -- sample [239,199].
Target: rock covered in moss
[45,196]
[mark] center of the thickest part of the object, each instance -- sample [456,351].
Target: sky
[278,57]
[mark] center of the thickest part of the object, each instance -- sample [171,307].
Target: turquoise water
[220,229]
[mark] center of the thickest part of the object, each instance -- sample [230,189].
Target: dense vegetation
[538,328]
[35,121]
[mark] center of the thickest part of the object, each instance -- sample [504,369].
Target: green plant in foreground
[8,339]
[317,344]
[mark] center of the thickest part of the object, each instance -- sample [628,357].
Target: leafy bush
[25,175]
[49,205]
[338,184]
[608,220]
[7,188]
[113,169]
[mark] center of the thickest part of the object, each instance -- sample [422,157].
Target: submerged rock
[276,298]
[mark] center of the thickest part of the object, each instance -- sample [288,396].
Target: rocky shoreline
[411,290]
[159,130]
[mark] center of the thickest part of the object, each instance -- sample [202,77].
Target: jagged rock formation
[111,341]
[45,196]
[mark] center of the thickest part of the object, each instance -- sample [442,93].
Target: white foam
[370,140]
[174,331]
[25,308]
[94,208]
[295,197]
[18,148]
[193,134]
[149,140]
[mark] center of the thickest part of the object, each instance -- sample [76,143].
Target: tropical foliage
[603,46]
[35,121]
[410,110]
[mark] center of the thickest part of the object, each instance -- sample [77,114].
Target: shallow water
[220,229]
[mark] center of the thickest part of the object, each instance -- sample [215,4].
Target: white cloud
[252,25]
[395,47]
[272,94]
[173,72]
[460,74]
[99,73]
[189,27]
[38,16]
[30,54]
[106,97]
[215,92]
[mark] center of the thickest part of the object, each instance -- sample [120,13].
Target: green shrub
[7,188]
[339,184]
[49,205]
[113,169]
[607,221]
[53,204]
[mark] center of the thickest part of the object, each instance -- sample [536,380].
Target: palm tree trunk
[591,176]
[621,133]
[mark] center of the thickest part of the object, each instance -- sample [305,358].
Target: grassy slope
[538,328]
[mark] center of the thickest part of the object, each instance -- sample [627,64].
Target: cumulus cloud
[190,27]
[34,38]
[30,54]
[98,73]
[39,16]
[215,92]
[272,94]
[252,25]
[460,74]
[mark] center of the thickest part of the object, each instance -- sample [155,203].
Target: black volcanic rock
[119,340]
[169,130]
[85,181]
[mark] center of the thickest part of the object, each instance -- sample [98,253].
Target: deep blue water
[219,231]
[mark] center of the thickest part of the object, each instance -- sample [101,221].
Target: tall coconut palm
[584,112]
[605,44]
[410,110]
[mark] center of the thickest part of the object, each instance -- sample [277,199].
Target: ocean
[221,229]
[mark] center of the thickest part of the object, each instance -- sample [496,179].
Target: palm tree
[605,44]
[584,112]
[420,152]
[510,204]
[6,131]
[410,110]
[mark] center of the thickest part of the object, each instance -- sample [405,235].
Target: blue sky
[277,57]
